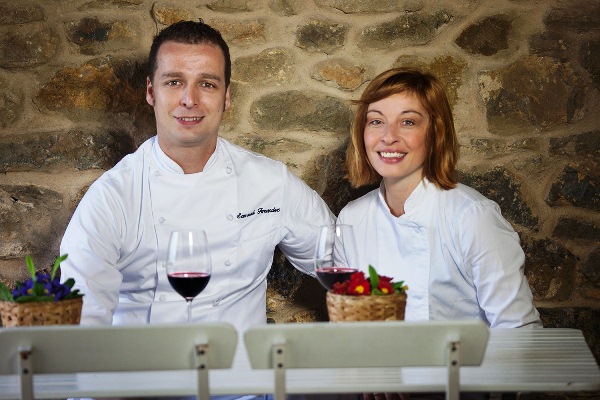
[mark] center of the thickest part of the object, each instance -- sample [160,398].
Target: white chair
[367,345]
[71,348]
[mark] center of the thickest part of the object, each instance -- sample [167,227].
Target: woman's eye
[374,122]
[409,122]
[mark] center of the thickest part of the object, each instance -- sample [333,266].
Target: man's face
[188,94]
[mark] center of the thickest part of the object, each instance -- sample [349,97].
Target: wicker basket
[64,312]
[366,308]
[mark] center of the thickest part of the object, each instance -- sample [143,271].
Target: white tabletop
[516,360]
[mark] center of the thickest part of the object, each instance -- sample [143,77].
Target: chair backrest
[72,348]
[368,344]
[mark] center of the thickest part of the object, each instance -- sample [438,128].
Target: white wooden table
[516,360]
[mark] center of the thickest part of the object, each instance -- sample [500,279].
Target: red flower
[385,287]
[340,288]
[359,285]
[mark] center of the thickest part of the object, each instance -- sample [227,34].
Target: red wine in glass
[330,276]
[188,284]
[336,256]
[188,264]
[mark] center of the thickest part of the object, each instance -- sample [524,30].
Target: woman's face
[395,132]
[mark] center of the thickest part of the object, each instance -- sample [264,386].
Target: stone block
[21,12]
[503,188]
[577,186]
[580,146]
[82,149]
[296,110]
[104,85]
[94,37]
[233,6]
[269,66]
[411,29]
[321,36]
[238,33]
[30,222]
[571,228]
[167,14]
[550,269]
[486,37]
[27,48]
[340,73]
[532,93]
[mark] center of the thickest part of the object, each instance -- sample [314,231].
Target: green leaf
[30,266]
[398,287]
[5,293]
[57,264]
[70,282]
[38,289]
[373,278]
[73,295]
[29,299]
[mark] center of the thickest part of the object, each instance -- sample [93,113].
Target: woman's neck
[396,194]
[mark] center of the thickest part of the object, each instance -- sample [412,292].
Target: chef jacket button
[156,173]
[228,169]
[216,302]
[230,217]
[163,264]
[161,220]
[227,263]
[162,298]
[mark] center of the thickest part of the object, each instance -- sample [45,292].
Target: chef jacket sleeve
[91,241]
[494,257]
[304,211]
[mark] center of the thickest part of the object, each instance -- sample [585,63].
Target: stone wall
[523,78]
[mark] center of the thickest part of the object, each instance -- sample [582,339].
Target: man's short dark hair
[189,32]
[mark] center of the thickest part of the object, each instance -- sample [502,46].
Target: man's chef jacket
[247,204]
[459,257]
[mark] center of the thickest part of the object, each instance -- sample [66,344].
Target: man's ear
[149,92]
[227,99]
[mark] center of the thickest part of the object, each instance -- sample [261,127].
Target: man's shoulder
[124,172]
[249,161]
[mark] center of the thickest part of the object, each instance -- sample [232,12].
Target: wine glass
[188,264]
[336,254]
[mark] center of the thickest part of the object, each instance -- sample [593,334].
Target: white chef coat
[459,257]
[247,204]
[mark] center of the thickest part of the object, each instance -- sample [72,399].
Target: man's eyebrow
[203,75]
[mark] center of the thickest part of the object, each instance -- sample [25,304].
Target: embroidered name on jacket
[260,210]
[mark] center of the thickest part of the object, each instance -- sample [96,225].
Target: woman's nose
[390,134]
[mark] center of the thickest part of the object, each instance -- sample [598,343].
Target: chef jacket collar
[413,200]
[166,163]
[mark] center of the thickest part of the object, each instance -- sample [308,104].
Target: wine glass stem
[189,307]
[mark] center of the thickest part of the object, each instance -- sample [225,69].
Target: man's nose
[189,97]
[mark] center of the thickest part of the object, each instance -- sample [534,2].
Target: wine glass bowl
[188,264]
[336,256]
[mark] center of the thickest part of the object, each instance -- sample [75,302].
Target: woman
[459,257]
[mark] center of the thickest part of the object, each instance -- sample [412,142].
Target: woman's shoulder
[357,208]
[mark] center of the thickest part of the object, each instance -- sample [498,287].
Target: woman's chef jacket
[459,257]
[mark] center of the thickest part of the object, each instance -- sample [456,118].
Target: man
[188,177]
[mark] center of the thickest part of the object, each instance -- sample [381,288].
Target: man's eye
[172,83]
[208,85]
